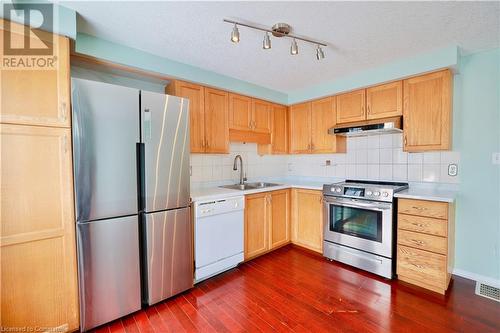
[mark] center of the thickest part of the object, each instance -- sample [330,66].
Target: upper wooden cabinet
[267,222]
[208,116]
[279,132]
[309,124]
[250,119]
[351,107]
[261,116]
[384,101]
[216,121]
[240,112]
[38,266]
[427,112]
[307,219]
[195,93]
[37,96]
[300,128]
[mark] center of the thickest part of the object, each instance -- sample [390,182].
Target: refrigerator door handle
[140,176]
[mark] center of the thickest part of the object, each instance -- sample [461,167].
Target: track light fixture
[235,34]
[319,53]
[266,43]
[278,30]
[294,48]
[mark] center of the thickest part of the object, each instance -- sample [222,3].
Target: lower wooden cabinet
[307,219]
[267,223]
[38,253]
[425,243]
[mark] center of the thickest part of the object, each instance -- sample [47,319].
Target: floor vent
[488,291]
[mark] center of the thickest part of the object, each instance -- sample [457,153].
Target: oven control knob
[385,194]
[369,193]
[376,193]
[338,189]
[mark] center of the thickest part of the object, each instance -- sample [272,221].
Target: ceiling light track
[312,41]
[278,30]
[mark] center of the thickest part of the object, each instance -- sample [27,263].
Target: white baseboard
[477,277]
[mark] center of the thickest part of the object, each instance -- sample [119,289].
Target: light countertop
[215,192]
[431,194]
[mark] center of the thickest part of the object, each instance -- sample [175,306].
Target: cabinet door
[38,266]
[300,128]
[427,112]
[384,101]
[307,219]
[351,107]
[216,121]
[256,224]
[323,117]
[240,112]
[261,116]
[195,94]
[279,136]
[37,96]
[280,220]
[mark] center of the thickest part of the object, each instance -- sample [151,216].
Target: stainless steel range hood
[369,127]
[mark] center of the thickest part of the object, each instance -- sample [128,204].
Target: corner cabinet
[208,116]
[307,219]
[309,124]
[37,243]
[427,104]
[267,222]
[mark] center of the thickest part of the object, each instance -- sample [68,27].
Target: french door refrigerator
[131,174]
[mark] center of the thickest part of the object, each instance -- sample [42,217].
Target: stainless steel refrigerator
[131,174]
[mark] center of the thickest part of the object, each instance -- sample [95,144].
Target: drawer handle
[419,242]
[418,266]
[418,208]
[418,224]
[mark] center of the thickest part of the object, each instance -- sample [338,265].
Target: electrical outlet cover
[452,170]
[495,158]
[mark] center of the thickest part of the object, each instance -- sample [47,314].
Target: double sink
[250,186]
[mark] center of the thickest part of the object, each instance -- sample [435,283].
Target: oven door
[360,224]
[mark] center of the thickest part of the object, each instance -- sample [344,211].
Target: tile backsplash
[376,157]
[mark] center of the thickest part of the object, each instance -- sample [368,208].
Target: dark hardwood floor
[294,290]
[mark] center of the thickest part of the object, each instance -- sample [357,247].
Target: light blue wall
[476,136]
[442,58]
[121,54]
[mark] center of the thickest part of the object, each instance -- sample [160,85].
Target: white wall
[379,157]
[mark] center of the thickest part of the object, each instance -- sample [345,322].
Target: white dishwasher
[218,236]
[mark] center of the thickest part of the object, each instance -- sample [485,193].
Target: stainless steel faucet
[235,167]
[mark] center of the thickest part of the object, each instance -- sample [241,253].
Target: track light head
[294,48]
[319,53]
[235,34]
[266,43]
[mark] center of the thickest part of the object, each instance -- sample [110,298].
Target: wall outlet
[328,163]
[495,158]
[452,170]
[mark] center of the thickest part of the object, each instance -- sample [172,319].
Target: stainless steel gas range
[359,224]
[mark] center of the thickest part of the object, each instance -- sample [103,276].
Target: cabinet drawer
[419,265]
[430,243]
[426,225]
[434,209]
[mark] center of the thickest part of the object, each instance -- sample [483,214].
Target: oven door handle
[357,205]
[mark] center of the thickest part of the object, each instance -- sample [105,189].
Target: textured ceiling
[360,35]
